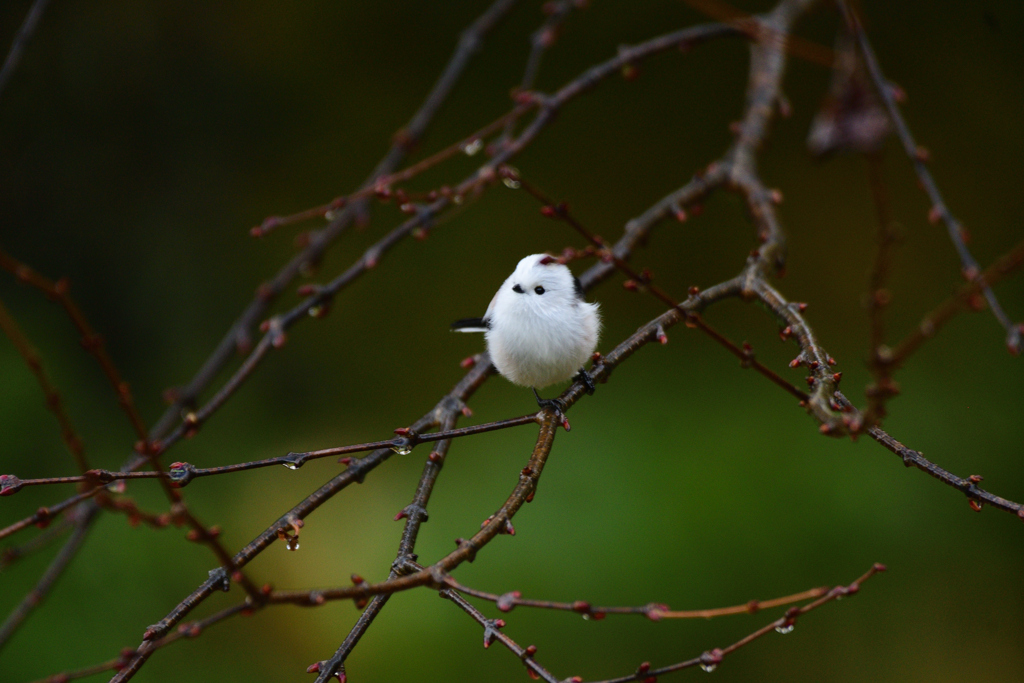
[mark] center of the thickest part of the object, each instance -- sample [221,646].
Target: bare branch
[12,554]
[44,515]
[28,27]
[182,473]
[771,41]
[91,341]
[919,158]
[82,525]
[654,611]
[50,393]
[969,486]
[710,660]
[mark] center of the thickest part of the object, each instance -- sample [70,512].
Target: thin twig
[506,602]
[44,515]
[186,631]
[319,300]
[644,280]
[822,379]
[90,340]
[21,38]
[969,486]
[35,596]
[492,632]
[736,171]
[415,514]
[239,335]
[12,554]
[794,45]
[355,473]
[540,41]
[919,157]
[182,473]
[600,372]
[711,659]
[53,400]
[382,187]
[467,548]
[933,321]
[878,296]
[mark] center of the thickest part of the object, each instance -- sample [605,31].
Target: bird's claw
[556,404]
[588,381]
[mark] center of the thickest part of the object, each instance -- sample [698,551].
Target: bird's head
[540,283]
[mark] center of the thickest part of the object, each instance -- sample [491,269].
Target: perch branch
[320,298]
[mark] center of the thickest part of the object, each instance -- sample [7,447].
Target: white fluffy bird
[538,327]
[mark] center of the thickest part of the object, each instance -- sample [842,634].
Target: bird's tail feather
[471,325]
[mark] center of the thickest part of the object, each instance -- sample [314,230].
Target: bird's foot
[558,405]
[588,381]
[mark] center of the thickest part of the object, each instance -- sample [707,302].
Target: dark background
[140,140]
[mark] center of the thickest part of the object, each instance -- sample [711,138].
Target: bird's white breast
[537,345]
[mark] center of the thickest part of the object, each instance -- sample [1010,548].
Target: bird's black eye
[517,289]
[539,289]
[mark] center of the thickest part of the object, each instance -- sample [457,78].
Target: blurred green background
[140,140]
